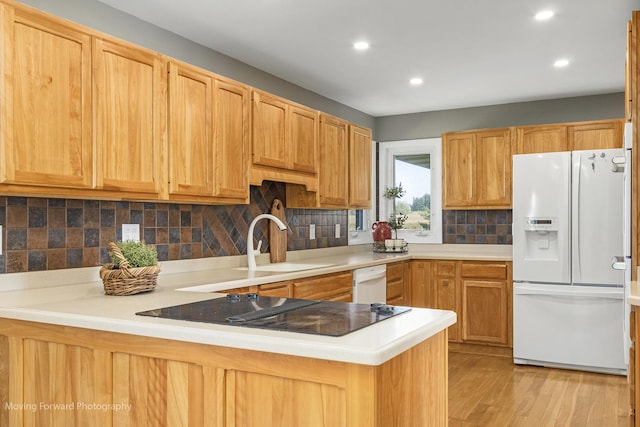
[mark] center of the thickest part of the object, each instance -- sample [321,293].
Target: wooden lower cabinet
[480,292]
[58,375]
[396,293]
[486,302]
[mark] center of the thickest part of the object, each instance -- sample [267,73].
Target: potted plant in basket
[396,220]
[133,268]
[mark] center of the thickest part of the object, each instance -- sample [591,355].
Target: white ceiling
[468,52]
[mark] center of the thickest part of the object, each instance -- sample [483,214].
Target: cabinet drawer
[446,268]
[323,287]
[484,270]
[277,289]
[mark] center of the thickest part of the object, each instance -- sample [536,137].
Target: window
[415,164]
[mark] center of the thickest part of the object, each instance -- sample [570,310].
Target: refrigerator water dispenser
[541,236]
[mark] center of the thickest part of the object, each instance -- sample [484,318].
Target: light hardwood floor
[486,390]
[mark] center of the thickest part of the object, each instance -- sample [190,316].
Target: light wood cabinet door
[446,293]
[277,289]
[459,157]
[486,302]
[484,311]
[45,111]
[190,142]
[303,139]
[493,169]
[334,155]
[269,130]
[396,294]
[422,289]
[129,98]
[596,135]
[231,140]
[359,167]
[541,139]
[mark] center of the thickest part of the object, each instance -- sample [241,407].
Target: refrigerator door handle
[575,292]
[618,263]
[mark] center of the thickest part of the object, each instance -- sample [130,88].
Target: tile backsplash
[48,234]
[478,226]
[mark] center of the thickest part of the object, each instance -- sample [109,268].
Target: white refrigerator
[570,238]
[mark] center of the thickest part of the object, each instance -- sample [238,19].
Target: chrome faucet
[251,252]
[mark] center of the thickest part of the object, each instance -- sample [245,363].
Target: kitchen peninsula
[71,355]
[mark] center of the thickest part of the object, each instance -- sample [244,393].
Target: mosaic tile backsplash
[492,227]
[49,234]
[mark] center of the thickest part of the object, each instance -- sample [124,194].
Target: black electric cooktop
[281,314]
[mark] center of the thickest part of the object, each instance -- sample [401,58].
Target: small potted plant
[396,221]
[133,268]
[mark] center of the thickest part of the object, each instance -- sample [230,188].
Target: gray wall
[96,15]
[432,124]
[101,17]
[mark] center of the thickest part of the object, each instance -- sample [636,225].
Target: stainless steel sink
[284,267]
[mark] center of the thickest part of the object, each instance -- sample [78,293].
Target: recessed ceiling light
[561,63]
[416,81]
[543,15]
[361,45]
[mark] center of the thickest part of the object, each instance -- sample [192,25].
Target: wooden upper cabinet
[477,169]
[493,168]
[208,136]
[596,135]
[303,139]
[269,130]
[231,139]
[285,135]
[359,167]
[334,163]
[541,139]
[589,135]
[129,86]
[45,111]
[190,131]
[458,153]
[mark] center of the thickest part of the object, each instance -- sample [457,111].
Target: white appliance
[370,284]
[570,225]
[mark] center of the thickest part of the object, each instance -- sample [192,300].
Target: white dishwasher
[370,284]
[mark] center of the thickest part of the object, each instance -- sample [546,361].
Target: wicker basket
[127,280]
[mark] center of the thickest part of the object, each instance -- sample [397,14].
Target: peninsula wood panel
[359,167]
[129,96]
[45,111]
[170,383]
[190,131]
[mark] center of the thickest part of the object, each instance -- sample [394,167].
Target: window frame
[387,151]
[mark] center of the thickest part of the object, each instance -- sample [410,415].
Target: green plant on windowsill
[396,221]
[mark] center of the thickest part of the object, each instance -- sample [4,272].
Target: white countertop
[633,297]
[75,297]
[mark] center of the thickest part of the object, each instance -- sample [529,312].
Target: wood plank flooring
[489,390]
